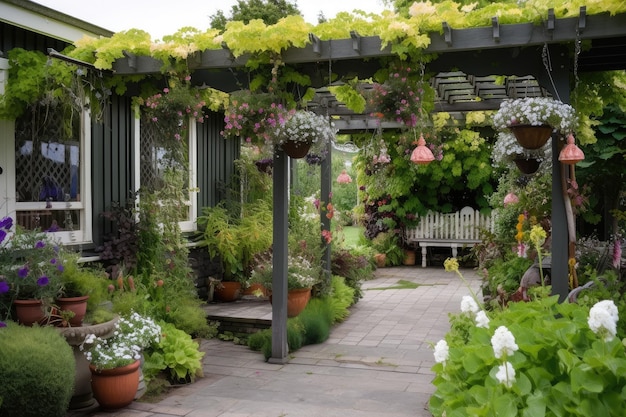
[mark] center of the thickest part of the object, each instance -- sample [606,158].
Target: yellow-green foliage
[36,372]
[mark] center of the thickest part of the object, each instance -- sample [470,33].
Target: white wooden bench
[452,230]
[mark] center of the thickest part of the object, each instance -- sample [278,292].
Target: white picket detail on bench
[451,230]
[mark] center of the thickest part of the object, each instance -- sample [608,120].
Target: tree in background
[269,11]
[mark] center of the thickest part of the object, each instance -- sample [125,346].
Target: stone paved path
[375,364]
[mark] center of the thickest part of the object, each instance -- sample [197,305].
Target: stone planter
[83,396]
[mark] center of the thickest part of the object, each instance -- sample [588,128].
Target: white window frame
[188,225]
[9,206]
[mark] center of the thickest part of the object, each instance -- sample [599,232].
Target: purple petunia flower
[6,223]
[3,234]
[3,324]
[43,281]
[40,244]
[60,268]
[4,287]
[23,271]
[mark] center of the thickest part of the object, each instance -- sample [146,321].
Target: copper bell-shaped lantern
[421,154]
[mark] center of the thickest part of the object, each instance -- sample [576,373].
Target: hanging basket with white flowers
[302,130]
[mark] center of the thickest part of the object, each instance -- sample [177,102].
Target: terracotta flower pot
[531,137]
[29,312]
[78,305]
[409,257]
[381,260]
[296,149]
[296,301]
[228,291]
[115,388]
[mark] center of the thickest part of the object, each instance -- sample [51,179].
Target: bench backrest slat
[465,224]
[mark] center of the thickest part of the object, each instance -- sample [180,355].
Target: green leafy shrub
[262,341]
[354,266]
[316,320]
[177,353]
[37,372]
[556,364]
[506,274]
[342,297]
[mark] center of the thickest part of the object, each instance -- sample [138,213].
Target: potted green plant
[234,238]
[82,289]
[387,244]
[31,265]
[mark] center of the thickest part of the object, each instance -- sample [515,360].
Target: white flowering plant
[546,359]
[536,111]
[506,148]
[130,336]
[301,273]
[304,126]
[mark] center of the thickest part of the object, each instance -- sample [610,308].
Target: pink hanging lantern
[510,198]
[571,154]
[344,178]
[421,154]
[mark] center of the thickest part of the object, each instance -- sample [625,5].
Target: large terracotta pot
[228,291]
[115,388]
[297,301]
[531,137]
[29,312]
[78,305]
[296,149]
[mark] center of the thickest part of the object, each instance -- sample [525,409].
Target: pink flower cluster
[253,123]
[398,99]
[172,108]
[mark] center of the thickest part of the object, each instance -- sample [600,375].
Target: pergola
[543,58]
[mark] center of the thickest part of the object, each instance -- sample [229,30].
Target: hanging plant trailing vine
[36,80]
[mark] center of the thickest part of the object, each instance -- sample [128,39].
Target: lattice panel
[47,156]
[149,157]
[157,153]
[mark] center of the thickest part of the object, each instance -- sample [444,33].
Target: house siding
[216,156]
[112,156]
[15,37]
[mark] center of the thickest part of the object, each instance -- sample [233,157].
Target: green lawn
[351,235]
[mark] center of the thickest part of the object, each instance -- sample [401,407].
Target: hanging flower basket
[533,119]
[295,149]
[531,137]
[527,165]
[302,131]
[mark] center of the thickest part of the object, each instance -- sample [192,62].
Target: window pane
[47,156]
[49,220]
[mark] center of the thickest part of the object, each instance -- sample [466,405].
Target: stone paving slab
[377,363]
